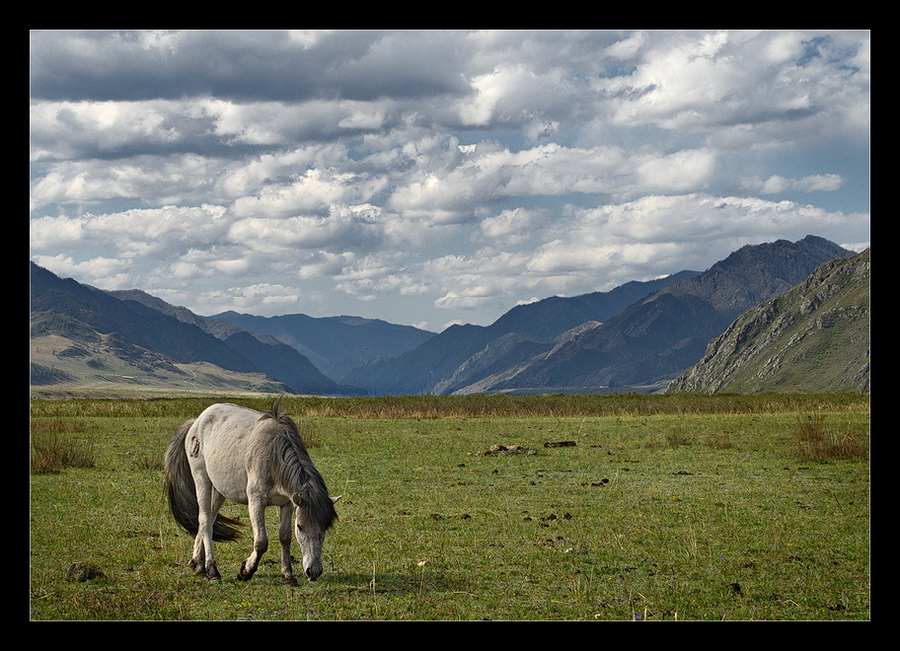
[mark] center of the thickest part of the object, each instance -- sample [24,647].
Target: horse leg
[257,508]
[198,557]
[215,504]
[209,502]
[285,536]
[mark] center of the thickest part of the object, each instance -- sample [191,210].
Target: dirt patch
[502,449]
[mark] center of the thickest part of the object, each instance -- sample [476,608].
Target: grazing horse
[258,459]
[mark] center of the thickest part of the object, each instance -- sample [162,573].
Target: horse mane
[293,471]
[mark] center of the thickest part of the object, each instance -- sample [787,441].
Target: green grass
[667,507]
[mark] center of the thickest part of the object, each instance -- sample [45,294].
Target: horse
[253,458]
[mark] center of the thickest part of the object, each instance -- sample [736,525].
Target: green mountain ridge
[814,337]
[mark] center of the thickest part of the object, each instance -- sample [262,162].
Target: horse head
[312,521]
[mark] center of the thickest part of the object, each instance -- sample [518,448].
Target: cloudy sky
[430,178]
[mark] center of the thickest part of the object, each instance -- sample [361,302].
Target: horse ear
[335,499]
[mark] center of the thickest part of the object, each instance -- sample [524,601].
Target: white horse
[253,458]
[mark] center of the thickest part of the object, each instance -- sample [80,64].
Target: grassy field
[665,508]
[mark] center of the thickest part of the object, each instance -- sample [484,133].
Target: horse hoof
[243,574]
[289,580]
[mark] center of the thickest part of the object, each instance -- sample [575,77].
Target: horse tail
[180,483]
[182,494]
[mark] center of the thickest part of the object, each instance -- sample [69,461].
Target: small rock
[79,571]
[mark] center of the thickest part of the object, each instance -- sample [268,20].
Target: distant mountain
[87,334]
[649,340]
[814,337]
[657,338]
[547,319]
[275,358]
[334,344]
[463,355]
[64,306]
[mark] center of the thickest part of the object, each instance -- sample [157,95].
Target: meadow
[624,507]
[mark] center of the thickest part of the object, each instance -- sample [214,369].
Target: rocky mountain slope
[814,337]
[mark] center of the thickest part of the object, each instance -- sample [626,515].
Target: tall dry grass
[816,440]
[53,450]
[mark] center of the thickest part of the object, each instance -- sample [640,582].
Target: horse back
[232,444]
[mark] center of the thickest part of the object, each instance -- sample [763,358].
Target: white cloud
[682,171]
[733,79]
[776,184]
[344,228]
[309,39]
[110,272]
[66,128]
[133,233]
[149,179]
[315,191]
[492,175]
[512,93]
[628,47]
[325,264]
[474,298]
[394,174]
[512,227]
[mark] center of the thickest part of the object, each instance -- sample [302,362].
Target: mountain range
[335,345]
[462,356]
[639,336]
[87,337]
[656,332]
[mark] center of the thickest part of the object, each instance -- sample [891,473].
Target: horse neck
[293,472]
